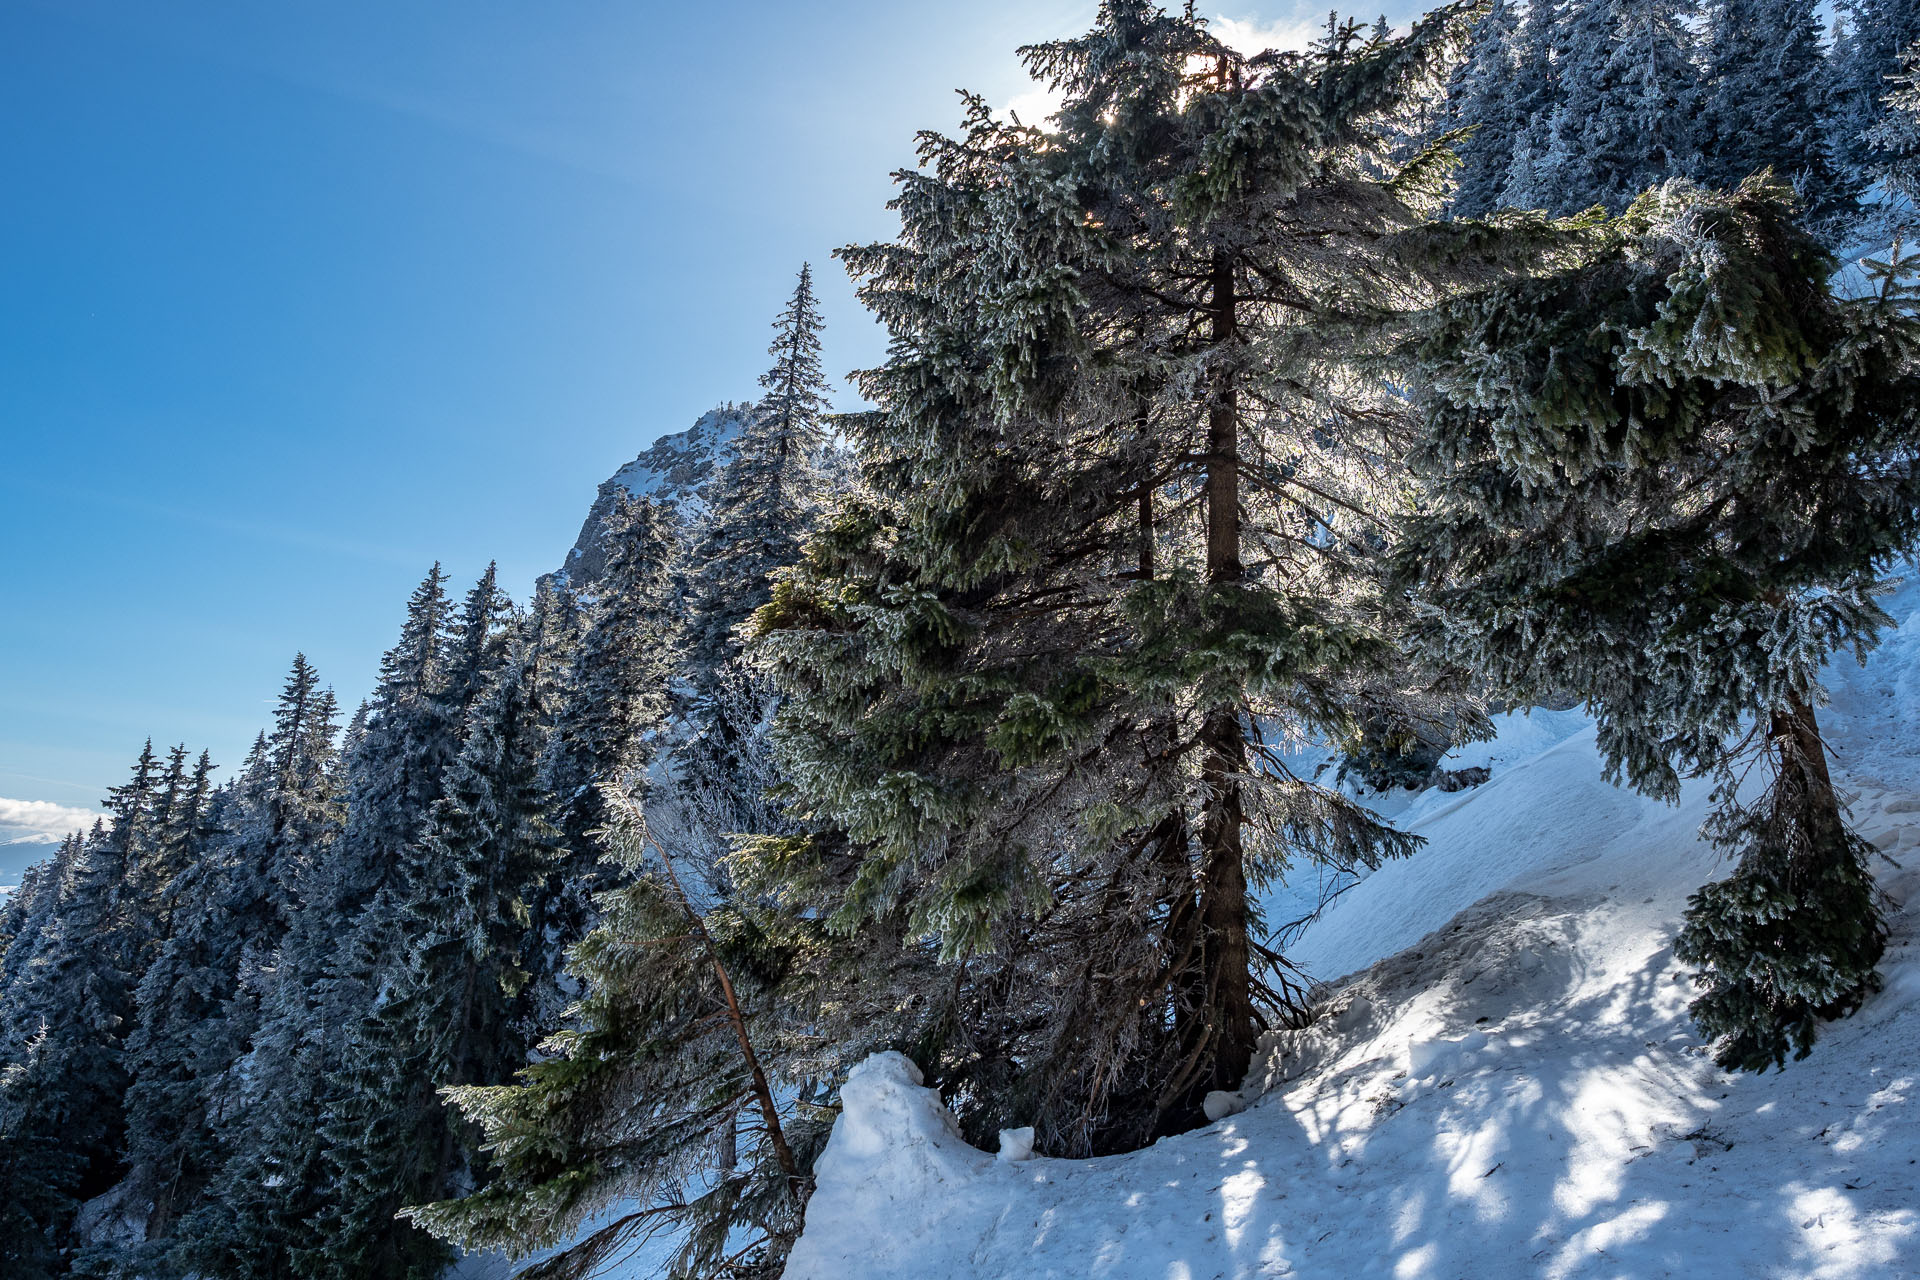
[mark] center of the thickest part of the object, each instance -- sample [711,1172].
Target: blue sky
[297,298]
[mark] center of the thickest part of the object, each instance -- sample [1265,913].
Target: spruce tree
[171,1151]
[1664,476]
[614,703]
[453,1004]
[285,814]
[663,1093]
[29,910]
[1482,97]
[1626,98]
[1125,476]
[1535,93]
[764,504]
[1872,38]
[1896,135]
[1765,76]
[767,495]
[404,742]
[62,1108]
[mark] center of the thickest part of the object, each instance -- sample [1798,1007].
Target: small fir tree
[660,1096]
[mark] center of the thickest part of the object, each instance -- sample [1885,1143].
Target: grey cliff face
[676,469]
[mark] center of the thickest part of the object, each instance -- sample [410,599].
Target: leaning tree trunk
[1805,781]
[1228,1025]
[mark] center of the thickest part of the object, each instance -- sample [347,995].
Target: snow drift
[1507,1083]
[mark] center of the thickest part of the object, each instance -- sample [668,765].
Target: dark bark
[1806,784]
[1223,1057]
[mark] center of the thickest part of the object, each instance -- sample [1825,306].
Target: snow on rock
[675,469]
[1505,1085]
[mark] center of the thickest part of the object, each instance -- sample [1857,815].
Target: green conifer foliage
[1664,476]
[764,504]
[1126,486]
[454,936]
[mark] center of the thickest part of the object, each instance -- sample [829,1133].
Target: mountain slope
[1508,1086]
[675,469]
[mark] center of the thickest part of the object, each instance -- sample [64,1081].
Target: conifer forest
[1266,444]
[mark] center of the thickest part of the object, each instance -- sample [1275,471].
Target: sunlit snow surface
[1511,1089]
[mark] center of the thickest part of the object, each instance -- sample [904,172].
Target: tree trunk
[1229,1028]
[1806,784]
[762,1093]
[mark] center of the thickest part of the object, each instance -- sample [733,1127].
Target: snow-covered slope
[1506,1085]
[674,469]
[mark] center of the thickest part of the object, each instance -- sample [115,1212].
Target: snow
[1506,1083]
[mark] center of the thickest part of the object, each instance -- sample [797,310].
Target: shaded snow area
[1507,1083]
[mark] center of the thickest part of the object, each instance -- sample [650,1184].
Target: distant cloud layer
[40,821]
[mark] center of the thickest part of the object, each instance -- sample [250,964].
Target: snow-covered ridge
[674,469]
[1506,1085]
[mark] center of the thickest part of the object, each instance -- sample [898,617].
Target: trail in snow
[1507,1085]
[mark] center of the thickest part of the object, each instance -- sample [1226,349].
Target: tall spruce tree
[1871,39]
[764,504]
[453,1007]
[1765,80]
[367,885]
[402,742]
[1626,98]
[34,1173]
[1482,97]
[614,703]
[171,1150]
[1664,477]
[285,814]
[768,493]
[62,1096]
[29,910]
[1896,136]
[1125,478]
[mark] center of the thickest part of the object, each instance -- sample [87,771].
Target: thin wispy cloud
[40,821]
[1257,35]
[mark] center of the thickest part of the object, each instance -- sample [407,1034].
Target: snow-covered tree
[1625,99]
[614,700]
[766,497]
[1116,548]
[62,1094]
[452,1008]
[1896,136]
[1765,77]
[1663,477]
[1870,39]
[26,915]
[660,1094]
[284,815]
[1481,96]
[764,504]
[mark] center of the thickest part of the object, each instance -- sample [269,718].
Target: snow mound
[1506,1085]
